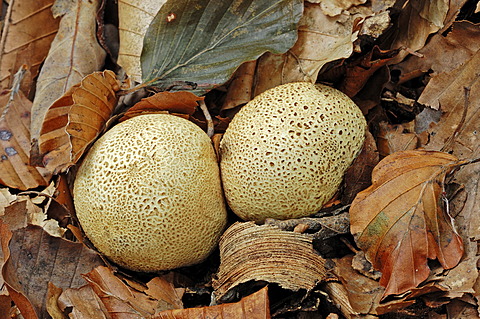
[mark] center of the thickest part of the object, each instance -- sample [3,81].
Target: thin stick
[210,129]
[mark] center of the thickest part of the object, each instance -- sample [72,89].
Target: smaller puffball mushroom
[148,194]
[285,152]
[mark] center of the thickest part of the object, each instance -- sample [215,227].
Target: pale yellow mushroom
[285,153]
[148,194]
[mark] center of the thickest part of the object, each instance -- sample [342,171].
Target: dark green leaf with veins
[198,44]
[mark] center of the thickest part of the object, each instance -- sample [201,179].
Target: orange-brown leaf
[255,306]
[124,301]
[182,102]
[76,119]
[23,41]
[402,220]
[15,170]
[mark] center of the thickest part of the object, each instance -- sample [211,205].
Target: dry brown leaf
[76,119]
[457,47]
[360,70]
[182,102]
[251,252]
[34,258]
[364,294]
[316,30]
[401,221]
[240,89]
[255,306]
[357,177]
[134,18]
[23,41]
[15,169]
[418,19]
[395,138]
[52,307]
[82,303]
[126,302]
[458,129]
[74,53]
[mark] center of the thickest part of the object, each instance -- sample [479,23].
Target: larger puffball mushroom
[284,154]
[148,194]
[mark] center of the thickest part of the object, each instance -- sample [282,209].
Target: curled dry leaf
[134,16]
[402,220]
[255,306]
[15,168]
[251,252]
[360,70]
[23,42]
[76,119]
[119,297]
[304,60]
[173,102]
[74,53]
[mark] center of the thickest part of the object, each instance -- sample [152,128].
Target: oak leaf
[402,220]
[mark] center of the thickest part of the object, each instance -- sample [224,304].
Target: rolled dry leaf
[267,253]
[76,119]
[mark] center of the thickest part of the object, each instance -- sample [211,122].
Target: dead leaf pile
[399,238]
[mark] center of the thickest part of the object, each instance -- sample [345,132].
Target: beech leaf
[15,170]
[75,120]
[182,102]
[201,43]
[23,42]
[402,220]
[254,306]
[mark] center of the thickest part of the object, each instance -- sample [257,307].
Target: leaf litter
[377,60]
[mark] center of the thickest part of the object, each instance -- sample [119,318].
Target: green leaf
[202,42]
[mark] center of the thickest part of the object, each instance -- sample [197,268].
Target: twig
[210,129]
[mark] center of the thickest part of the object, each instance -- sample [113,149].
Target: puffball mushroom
[285,152]
[148,194]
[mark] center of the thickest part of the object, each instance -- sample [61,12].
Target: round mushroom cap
[148,194]
[284,153]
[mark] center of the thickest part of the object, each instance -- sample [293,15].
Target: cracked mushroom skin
[148,194]
[285,152]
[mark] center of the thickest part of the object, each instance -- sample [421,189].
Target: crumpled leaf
[360,70]
[334,35]
[201,43]
[74,53]
[134,16]
[127,302]
[34,258]
[401,221]
[182,102]
[15,168]
[23,42]
[457,48]
[417,20]
[76,119]
[251,252]
[254,306]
